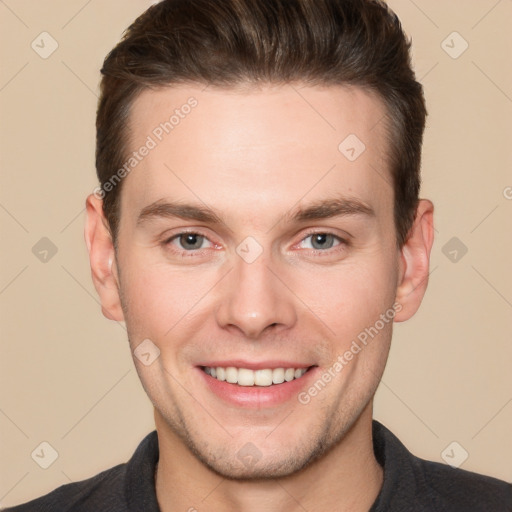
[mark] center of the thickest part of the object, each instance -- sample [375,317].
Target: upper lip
[256,365]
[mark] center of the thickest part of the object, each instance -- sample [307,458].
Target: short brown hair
[231,42]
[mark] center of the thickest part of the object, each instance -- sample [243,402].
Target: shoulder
[458,489]
[127,486]
[103,492]
[412,483]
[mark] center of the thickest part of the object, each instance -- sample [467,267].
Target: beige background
[66,373]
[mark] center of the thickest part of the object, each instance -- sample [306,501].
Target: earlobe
[102,259]
[415,261]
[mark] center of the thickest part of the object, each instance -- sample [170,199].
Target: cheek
[352,297]
[156,298]
[162,302]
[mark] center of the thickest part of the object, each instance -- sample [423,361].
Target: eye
[321,241]
[189,241]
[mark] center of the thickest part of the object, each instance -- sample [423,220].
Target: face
[252,242]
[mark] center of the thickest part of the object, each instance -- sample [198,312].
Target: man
[258,229]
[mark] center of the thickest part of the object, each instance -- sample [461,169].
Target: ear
[414,262]
[102,259]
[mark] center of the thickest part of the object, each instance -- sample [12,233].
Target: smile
[260,377]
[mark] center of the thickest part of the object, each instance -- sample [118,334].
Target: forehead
[267,146]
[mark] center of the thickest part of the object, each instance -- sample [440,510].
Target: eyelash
[183,253]
[342,243]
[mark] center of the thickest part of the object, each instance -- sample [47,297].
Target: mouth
[261,377]
[256,384]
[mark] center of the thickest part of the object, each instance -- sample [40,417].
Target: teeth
[221,374]
[278,376]
[246,377]
[289,374]
[231,375]
[263,377]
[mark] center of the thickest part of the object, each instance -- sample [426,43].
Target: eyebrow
[165,209]
[322,209]
[328,208]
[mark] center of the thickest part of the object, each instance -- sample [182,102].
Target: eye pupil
[191,241]
[322,241]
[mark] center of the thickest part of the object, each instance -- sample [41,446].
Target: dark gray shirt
[410,485]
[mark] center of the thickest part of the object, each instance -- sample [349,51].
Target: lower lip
[257,397]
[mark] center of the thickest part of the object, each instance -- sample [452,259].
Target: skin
[253,157]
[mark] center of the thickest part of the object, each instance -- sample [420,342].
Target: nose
[253,299]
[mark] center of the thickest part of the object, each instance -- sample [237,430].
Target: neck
[348,478]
